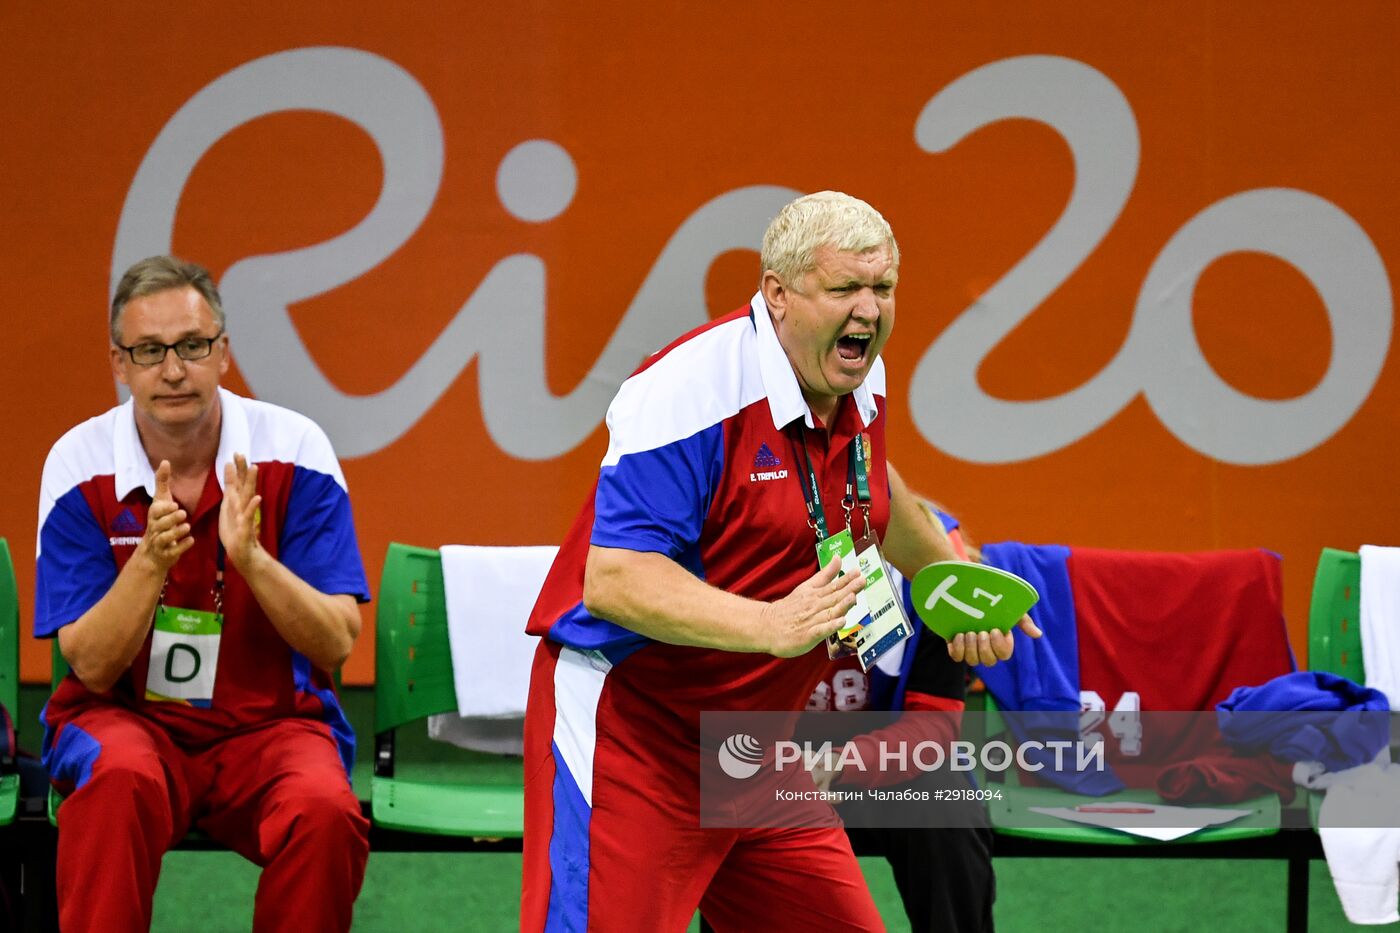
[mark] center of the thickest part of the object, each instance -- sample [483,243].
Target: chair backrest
[9,633]
[1158,626]
[58,665]
[1334,619]
[412,656]
[1130,636]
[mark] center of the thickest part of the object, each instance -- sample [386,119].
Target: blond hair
[826,218]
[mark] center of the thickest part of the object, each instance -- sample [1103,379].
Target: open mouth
[853,347]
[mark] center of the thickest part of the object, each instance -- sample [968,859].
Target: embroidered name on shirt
[763,462]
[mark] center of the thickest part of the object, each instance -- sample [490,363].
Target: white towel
[490,592]
[1380,619]
[1359,823]
[480,734]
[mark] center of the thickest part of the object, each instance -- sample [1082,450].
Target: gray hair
[161,273]
[827,218]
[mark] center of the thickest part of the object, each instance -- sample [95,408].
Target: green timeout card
[955,596]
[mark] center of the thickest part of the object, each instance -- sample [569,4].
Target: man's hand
[322,626]
[987,648]
[101,643]
[239,518]
[811,612]
[825,770]
[823,775]
[167,533]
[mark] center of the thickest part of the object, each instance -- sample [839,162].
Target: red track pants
[277,795]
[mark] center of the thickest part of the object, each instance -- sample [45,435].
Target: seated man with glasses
[197,562]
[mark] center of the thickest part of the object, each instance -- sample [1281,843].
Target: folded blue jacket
[1308,716]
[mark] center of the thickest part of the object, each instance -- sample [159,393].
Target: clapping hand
[240,516]
[167,533]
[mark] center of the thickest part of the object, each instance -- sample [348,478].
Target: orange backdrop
[1125,129]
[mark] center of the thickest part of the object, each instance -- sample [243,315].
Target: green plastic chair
[1334,645]
[472,794]
[1334,627]
[1011,814]
[1334,617]
[9,671]
[59,669]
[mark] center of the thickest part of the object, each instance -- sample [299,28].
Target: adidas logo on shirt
[126,530]
[764,463]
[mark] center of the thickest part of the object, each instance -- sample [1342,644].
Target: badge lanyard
[857,488]
[877,621]
[218,584]
[219,581]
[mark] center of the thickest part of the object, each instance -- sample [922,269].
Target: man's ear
[775,294]
[114,357]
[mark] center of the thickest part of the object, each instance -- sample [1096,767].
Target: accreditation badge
[843,546]
[184,655]
[887,625]
[876,623]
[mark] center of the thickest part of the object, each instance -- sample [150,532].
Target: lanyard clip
[847,504]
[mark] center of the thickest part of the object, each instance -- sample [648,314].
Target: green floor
[213,891]
[479,892]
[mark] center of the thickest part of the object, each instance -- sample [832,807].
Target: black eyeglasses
[188,349]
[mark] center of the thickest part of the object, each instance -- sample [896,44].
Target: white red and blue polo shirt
[97,485]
